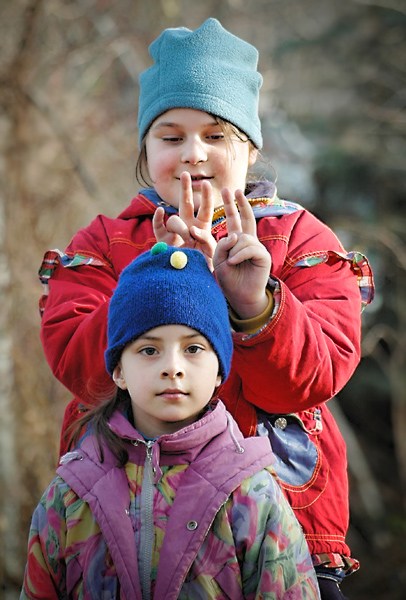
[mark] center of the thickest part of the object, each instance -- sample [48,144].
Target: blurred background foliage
[333,113]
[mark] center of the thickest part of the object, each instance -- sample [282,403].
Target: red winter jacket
[299,360]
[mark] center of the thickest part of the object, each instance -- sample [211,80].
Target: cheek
[238,173]
[222,162]
[213,370]
[161,164]
[228,165]
[140,384]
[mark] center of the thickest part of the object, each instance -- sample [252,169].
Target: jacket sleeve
[45,572]
[79,285]
[271,549]
[311,346]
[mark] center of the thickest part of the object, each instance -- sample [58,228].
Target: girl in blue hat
[294,293]
[162,497]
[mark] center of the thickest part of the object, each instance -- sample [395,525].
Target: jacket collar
[183,446]
[147,200]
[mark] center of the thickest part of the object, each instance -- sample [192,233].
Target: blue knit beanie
[208,69]
[166,286]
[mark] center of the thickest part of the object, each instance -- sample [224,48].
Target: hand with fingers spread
[241,263]
[187,229]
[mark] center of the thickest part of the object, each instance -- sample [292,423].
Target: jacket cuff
[253,325]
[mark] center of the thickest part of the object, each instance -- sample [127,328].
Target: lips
[199,177]
[197,181]
[173,394]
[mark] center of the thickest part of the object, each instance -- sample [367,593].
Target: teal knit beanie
[166,286]
[208,69]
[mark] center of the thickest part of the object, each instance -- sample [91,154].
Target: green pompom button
[159,248]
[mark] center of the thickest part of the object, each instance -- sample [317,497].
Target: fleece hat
[166,286]
[208,69]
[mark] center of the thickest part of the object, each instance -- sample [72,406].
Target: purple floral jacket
[194,514]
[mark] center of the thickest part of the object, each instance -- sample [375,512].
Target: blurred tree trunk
[10,558]
[398,381]
[21,381]
[391,359]
[10,472]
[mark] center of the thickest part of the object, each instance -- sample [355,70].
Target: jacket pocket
[299,464]
[228,579]
[92,574]
[224,585]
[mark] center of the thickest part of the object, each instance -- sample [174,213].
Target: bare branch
[378,234]
[358,465]
[31,13]
[37,100]
[397,5]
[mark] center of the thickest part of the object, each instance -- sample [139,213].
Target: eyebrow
[162,124]
[157,338]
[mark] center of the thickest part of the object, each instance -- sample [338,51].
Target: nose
[173,367]
[194,151]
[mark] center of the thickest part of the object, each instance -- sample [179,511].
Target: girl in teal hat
[294,293]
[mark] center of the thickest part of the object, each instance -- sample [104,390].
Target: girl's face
[170,373]
[184,139]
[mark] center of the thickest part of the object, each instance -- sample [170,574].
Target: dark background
[333,113]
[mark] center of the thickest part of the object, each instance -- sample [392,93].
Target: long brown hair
[96,418]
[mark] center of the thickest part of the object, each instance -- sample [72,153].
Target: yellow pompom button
[178,260]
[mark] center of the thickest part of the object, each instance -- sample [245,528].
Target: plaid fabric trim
[54,257]
[263,207]
[359,264]
[332,560]
[275,288]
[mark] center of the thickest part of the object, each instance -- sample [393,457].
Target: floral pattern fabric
[254,548]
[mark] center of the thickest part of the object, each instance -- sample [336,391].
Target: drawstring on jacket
[238,446]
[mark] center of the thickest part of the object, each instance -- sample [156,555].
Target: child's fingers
[248,222]
[249,253]
[177,226]
[186,206]
[232,215]
[158,223]
[248,248]
[223,248]
[206,208]
[205,239]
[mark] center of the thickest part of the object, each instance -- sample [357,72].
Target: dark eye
[149,351]
[194,349]
[216,136]
[171,139]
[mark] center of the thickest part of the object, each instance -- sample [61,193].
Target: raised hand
[187,229]
[241,263]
